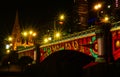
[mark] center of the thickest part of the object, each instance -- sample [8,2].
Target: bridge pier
[104,40]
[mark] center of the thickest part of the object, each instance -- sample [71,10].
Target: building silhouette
[16,32]
[80,12]
[116,10]
[19,41]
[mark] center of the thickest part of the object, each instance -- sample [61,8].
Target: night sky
[32,13]
[35,13]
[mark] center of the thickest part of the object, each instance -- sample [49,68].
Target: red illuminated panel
[81,48]
[75,45]
[116,44]
[42,54]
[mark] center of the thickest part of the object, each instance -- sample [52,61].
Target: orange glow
[61,22]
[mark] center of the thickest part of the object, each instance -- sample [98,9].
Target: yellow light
[11,44]
[118,43]
[8,51]
[49,38]
[34,34]
[62,17]
[45,40]
[25,34]
[105,19]
[31,32]
[10,38]
[58,34]
[97,6]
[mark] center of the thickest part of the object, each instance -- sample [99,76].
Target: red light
[61,22]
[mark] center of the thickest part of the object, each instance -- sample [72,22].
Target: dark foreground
[94,70]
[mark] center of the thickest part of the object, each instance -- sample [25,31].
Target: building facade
[81,9]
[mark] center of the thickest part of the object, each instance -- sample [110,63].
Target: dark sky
[35,13]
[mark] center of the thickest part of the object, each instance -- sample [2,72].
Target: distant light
[8,51]
[7,46]
[8,62]
[57,34]
[34,34]
[109,6]
[49,38]
[31,32]
[10,38]
[105,19]
[98,6]
[45,40]
[61,22]
[62,17]
[25,34]
[102,11]
[11,44]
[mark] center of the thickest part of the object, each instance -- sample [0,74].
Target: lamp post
[103,35]
[29,37]
[97,7]
[31,40]
[60,20]
[100,35]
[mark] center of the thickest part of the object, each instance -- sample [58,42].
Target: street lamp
[25,34]
[97,7]
[8,43]
[103,34]
[57,35]
[10,39]
[105,19]
[28,36]
[47,39]
[62,17]
[60,20]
